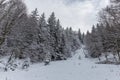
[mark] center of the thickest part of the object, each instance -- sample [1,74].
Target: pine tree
[30,36]
[80,35]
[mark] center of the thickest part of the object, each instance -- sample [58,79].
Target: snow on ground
[71,69]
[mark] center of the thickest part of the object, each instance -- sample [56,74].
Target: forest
[104,39]
[36,47]
[24,35]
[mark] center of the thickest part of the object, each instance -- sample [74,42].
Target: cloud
[72,13]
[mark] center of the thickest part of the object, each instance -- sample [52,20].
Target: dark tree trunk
[106,56]
[118,55]
[115,58]
[99,59]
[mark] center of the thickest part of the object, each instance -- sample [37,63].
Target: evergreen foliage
[32,36]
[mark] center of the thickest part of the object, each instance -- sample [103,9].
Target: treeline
[104,39]
[24,35]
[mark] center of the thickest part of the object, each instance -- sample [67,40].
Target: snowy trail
[71,69]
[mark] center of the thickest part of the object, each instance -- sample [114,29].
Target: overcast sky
[75,13]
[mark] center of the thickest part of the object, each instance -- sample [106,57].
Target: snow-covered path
[71,69]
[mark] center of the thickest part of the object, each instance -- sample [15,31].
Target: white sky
[75,13]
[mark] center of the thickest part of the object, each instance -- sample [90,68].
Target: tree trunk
[115,59]
[118,55]
[106,56]
[99,59]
